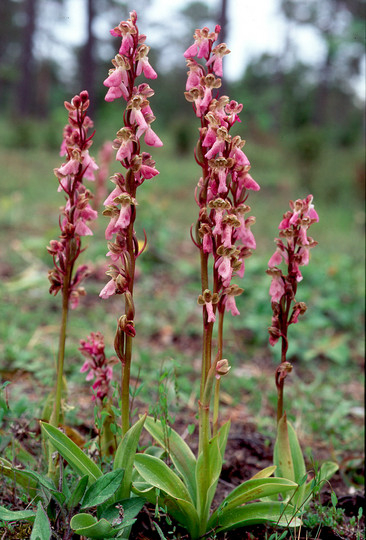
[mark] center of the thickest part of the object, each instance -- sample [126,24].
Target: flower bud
[222,368]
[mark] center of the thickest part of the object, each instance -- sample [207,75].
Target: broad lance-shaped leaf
[182,511]
[125,456]
[179,452]
[18,515]
[264,473]
[102,489]
[78,493]
[156,473]
[131,507]
[47,484]
[223,436]
[19,476]
[289,459]
[257,513]
[88,526]
[41,528]
[207,475]
[74,456]
[249,491]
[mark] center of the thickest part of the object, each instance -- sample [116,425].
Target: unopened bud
[222,368]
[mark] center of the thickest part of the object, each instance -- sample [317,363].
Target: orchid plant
[293,249]
[120,206]
[109,501]
[224,238]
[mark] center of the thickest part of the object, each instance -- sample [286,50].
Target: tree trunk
[25,95]
[88,58]
[222,18]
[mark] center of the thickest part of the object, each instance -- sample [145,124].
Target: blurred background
[298,67]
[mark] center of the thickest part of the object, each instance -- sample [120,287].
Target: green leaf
[250,490]
[102,489]
[19,476]
[125,456]
[41,529]
[257,513]
[282,453]
[78,493]
[223,435]
[174,494]
[289,459]
[181,455]
[19,515]
[327,469]
[265,473]
[158,474]
[89,526]
[207,475]
[131,507]
[75,457]
[47,484]
[334,499]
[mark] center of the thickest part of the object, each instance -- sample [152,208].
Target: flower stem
[55,416]
[126,367]
[125,387]
[215,417]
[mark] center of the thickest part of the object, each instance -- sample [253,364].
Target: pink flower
[151,138]
[276,259]
[143,63]
[224,269]
[216,59]
[97,364]
[230,305]
[108,290]
[277,288]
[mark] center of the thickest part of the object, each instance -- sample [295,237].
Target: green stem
[205,436]
[280,400]
[281,383]
[56,412]
[125,387]
[129,311]
[215,417]
[207,328]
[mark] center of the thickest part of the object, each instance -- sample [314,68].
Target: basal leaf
[89,526]
[265,473]
[103,489]
[78,493]
[47,484]
[131,507]
[75,457]
[41,529]
[208,470]
[181,455]
[19,515]
[125,456]
[289,459]
[158,474]
[173,493]
[19,476]
[223,434]
[282,453]
[251,490]
[255,513]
